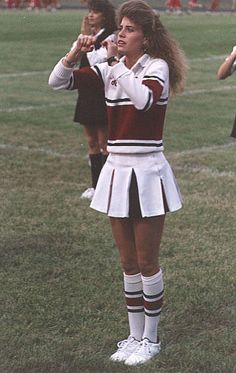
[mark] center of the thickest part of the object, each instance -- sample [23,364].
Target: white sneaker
[146,351]
[125,349]
[88,194]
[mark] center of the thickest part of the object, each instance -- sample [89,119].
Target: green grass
[62,308]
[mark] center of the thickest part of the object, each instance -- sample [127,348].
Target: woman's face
[96,19]
[130,38]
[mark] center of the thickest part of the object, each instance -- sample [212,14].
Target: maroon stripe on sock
[153,305]
[134,301]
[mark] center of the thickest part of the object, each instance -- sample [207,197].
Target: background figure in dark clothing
[90,109]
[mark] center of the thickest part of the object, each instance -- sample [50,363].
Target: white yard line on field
[212,172]
[26,148]
[28,108]
[26,73]
[204,149]
[209,58]
[211,90]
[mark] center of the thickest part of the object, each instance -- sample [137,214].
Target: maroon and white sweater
[136,100]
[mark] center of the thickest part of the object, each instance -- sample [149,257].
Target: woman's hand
[83,44]
[111,48]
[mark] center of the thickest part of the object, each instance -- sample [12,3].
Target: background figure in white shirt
[227,68]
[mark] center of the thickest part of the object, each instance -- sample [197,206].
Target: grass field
[62,308]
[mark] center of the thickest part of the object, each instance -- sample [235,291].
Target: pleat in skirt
[147,176]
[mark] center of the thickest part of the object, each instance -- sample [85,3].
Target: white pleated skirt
[156,184]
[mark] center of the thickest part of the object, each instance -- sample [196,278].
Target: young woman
[136,187]
[100,23]
[227,68]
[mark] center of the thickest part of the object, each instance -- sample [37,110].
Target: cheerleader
[100,23]
[136,187]
[227,68]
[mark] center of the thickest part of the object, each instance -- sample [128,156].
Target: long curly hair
[108,11]
[159,43]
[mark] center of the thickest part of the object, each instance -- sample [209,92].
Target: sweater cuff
[234,49]
[62,71]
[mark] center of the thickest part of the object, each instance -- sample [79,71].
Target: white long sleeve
[139,94]
[61,77]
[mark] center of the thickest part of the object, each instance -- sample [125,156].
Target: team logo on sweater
[114,82]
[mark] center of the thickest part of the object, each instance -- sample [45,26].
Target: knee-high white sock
[133,288]
[153,289]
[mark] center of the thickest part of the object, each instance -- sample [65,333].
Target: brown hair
[108,11]
[160,43]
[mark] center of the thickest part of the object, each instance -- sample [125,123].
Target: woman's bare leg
[122,229]
[148,234]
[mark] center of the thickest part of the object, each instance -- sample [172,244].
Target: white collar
[142,61]
[99,32]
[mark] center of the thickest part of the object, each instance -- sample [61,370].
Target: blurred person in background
[51,4]
[173,6]
[227,68]
[34,5]
[193,5]
[13,4]
[46,4]
[214,5]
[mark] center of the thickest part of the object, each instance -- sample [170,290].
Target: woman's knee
[129,265]
[130,269]
[93,145]
[148,268]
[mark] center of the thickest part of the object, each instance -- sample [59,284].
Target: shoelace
[124,343]
[144,347]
